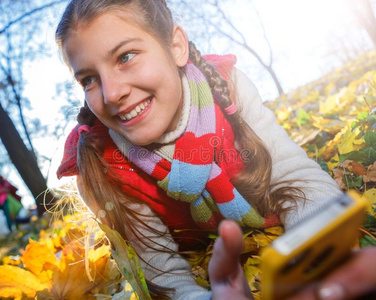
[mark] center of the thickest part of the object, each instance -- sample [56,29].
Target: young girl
[170,143]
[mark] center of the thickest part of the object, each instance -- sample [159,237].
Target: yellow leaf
[332,163]
[253,260]
[128,287]
[262,240]
[283,115]
[70,281]
[39,259]
[330,88]
[252,272]
[328,125]
[276,230]
[370,196]
[330,105]
[15,281]
[102,251]
[250,245]
[348,140]
[12,260]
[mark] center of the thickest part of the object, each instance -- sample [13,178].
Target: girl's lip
[140,117]
[130,108]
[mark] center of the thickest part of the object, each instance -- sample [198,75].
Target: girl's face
[130,82]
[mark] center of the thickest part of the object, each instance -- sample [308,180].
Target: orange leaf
[39,259]
[354,167]
[70,281]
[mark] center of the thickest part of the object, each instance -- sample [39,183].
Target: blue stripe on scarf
[234,209]
[187,178]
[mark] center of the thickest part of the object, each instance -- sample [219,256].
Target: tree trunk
[24,161]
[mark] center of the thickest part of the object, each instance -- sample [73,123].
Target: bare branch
[245,45]
[264,34]
[35,10]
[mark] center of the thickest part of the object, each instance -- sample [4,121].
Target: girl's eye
[87,81]
[124,58]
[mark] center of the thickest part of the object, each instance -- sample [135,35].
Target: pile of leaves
[333,119]
[53,267]
[69,259]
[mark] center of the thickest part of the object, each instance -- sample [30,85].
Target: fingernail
[331,292]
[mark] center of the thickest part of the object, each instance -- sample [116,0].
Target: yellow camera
[311,248]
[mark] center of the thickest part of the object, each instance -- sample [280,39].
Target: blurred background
[280,44]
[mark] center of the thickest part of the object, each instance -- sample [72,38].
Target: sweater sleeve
[162,267]
[289,161]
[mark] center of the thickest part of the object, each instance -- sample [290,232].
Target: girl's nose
[114,89]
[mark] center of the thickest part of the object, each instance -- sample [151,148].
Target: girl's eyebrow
[120,44]
[80,72]
[110,53]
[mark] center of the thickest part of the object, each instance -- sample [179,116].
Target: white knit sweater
[290,162]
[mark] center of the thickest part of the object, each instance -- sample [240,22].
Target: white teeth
[136,111]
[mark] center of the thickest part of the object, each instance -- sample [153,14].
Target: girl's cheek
[94,97]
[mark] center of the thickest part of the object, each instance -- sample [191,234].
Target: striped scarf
[193,176]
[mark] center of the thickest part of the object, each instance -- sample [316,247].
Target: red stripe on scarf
[161,169]
[197,153]
[221,189]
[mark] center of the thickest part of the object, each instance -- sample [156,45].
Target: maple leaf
[332,104]
[40,260]
[70,281]
[16,282]
[349,140]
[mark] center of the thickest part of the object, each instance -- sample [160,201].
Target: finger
[224,263]
[308,293]
[356,278]
[225,272]
[225,293]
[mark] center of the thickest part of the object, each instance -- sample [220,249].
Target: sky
[303,35]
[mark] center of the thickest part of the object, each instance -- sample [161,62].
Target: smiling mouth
[138,110]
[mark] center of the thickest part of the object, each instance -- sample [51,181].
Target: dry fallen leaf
[16,282]
[370,175]
[40,260]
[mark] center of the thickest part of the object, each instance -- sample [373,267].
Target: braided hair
[253,182]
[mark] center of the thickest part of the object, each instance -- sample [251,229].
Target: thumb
[224,263]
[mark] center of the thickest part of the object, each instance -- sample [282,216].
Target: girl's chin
[142,142]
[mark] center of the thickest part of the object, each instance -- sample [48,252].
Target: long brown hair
[253,182]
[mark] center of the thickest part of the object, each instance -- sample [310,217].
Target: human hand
[354,279]
[226,274]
